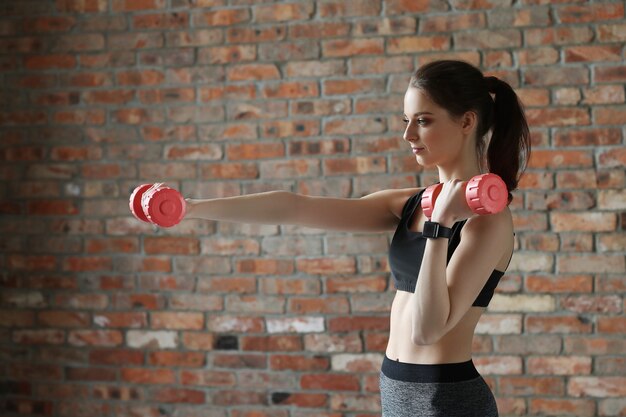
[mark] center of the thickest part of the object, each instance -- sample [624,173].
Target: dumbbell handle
[484,194]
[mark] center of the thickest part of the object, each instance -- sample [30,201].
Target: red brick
[281,343]
[612,158]
[39,337]
[84,264]
[238,398]
[559,365]
[136,5]
[95,338]
[596,53]
[402,45]
[208,378]
[236,324]
[108,96]
[112,245]
[253,72]
[603,94]
[609,304]
[52,207]
[488,39]
[264,266]
[23,117]
[597,386]
[89,79]
[116,357]
[242,34]
[171,245]
[255,151]
[587,137]
[610,115]
[452,23]
[543,386]
[90,374]
[611,33]
[12,318]
[559,284]
[330,382]
[298,363]
[555,406]
[289,12]
[134,320]
[615,325]
[49,24]
[92,301]
[116,393]
[557,159]
[146,77]
[353,323]
[410,6]
[63,319]
[221,17]
[178,396]
[557,324]
[538,56]
[584,221]
[574,35]
[147,376]
[344,48]
[175,320]
[175,20]
[335,305]
[46,62]
[590,13]
[82,6]
[198,341]
[300,400]
[177,359]
[31,262]
[80,117]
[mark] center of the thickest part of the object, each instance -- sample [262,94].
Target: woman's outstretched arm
[271,207]
[370,213]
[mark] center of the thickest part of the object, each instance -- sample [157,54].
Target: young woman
[464,124]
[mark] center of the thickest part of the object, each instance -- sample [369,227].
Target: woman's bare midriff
[455,346]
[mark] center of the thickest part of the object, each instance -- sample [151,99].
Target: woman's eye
[421,121]
[405,120]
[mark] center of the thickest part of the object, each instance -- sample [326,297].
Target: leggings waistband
[439,372]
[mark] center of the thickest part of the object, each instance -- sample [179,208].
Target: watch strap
[434,230]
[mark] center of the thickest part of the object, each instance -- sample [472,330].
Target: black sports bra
[407,250]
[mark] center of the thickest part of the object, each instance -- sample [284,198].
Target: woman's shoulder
[399,197]
[497,224]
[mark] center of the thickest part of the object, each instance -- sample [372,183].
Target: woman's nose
[410,133]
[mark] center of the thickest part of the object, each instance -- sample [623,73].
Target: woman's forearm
[431,300]
[271,207]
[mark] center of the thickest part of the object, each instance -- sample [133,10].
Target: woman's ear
[469,122]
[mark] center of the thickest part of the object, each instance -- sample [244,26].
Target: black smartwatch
[434,230]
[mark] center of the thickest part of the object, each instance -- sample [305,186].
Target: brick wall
[102,315]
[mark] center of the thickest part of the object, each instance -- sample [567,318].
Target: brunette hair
[460,87]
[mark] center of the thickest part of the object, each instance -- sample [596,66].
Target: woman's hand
[451,205]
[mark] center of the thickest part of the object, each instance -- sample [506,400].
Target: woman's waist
[429,372]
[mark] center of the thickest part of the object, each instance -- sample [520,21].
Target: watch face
[430,229]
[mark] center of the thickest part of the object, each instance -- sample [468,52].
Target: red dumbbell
[485,194]
[157,204]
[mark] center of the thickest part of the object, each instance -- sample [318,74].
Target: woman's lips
[417,150]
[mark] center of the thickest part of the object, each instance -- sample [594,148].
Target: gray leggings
[434,390]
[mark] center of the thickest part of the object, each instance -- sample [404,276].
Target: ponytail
[510,138]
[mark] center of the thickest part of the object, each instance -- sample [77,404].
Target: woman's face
[430,129]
